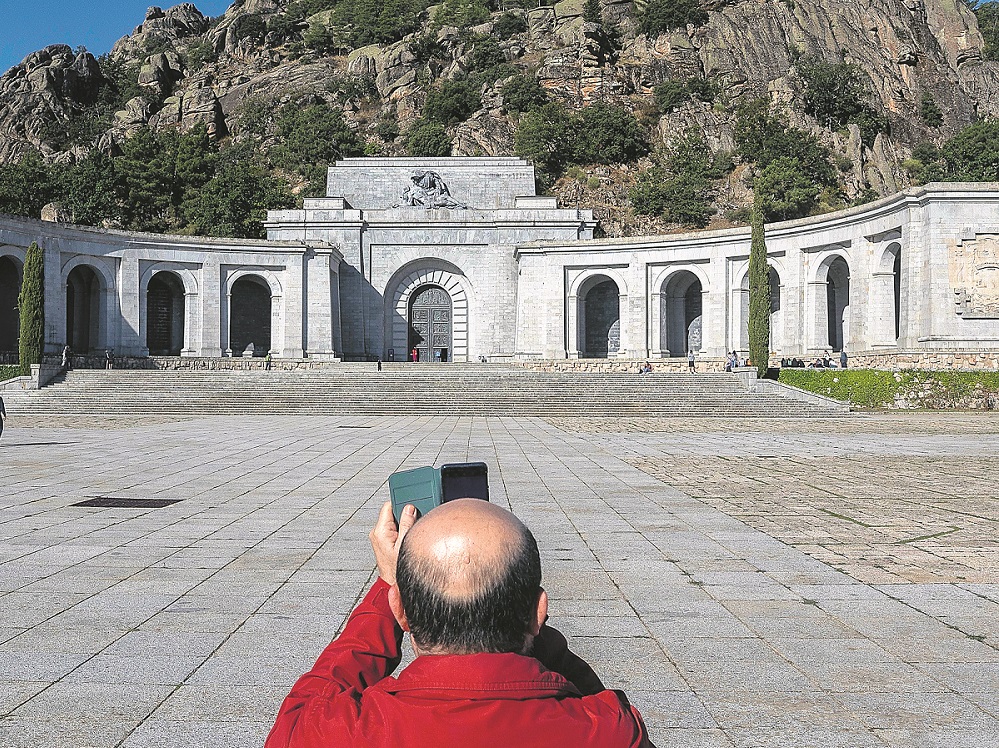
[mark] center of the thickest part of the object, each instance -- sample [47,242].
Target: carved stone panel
[974,277]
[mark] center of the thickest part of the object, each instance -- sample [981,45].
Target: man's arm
[552,650]
[327,698]
[366,651]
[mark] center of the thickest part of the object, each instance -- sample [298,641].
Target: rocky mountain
[179,69]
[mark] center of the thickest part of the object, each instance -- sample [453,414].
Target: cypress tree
[31,305]
[759,295]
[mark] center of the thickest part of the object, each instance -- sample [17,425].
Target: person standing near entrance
[843,360]
[415,355]
[690,361]
[267,361]
[109,356]
[67,358]
[3,415]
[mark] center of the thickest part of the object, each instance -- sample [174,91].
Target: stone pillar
[213,308]
[817,317]
[290,310]
[319,278]
[881,312]
[192,324]
[655,329]
[55,302]
[130,341]
[574,326]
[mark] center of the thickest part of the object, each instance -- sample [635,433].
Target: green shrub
[199,54]
[680,198]
[9,372]
[836,94]
[453,102]
[762,138]
[704,89]
[377,21]
[523,94]
[510,24]
[387,128]
[670,95]
[609,135]
[973,154]
[251,26]
[930,111]
[428,139]
[670,15]
[27,185]
[322,39]
[31,306]
[988,24]
[486,54]
[461,13]
[784,191]
[545,137]
[592,12]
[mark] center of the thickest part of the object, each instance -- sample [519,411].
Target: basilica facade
[456,259]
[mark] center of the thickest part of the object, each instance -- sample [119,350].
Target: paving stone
[729,616]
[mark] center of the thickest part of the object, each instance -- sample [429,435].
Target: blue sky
[27,25]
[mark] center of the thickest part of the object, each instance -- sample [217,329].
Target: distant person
[827,360]
[379,363]
[414,355]
[67,358]
[109,358]
[690,361]
[646,368]
[843,360]
[3,415]
[267,361]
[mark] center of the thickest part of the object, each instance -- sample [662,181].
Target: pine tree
[31,305]
[759,295]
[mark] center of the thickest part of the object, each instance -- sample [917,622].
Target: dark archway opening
[681,314]
[602,320]
[83,309]
[837,301]
[250,316]
[430,329]
[165,315]
[897,287]
[10,289]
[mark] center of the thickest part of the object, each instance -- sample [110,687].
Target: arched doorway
[430,325]
[600,318]
[165,315]
[681,314]
[10,289]
[83,309]
[896,270]
[250,316]
[838,303]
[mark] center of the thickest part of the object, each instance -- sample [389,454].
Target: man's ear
[541,613]
[395,604]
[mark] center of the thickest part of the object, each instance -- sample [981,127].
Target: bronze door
[430,325]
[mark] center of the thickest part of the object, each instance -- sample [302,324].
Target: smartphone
[427,487]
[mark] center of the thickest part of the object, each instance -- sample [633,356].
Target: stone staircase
[406,389]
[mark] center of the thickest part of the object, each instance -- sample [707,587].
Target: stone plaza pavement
[787,583]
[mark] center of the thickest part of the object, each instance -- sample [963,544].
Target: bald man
[465,581]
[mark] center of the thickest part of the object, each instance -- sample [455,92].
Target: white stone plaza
[457,259]
[821,583]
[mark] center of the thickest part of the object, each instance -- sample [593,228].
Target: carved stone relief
[974,277]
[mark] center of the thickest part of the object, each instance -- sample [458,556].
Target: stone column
[881,312]
[319,277]
[817,318]
[655,330]
[214,309]
[292,307]
[130,341]
[55,301]
[573,326]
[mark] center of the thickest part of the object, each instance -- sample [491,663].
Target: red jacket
[467,701]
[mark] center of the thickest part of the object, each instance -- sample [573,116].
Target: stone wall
[621,366]
[927,360]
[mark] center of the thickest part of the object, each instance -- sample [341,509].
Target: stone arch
[11,275]
[681,312]
[579,290]
[832,302]
[164,309]
[400,291]
[85,289]
[599,317]
[886,297]
[251,314]
[776,316]
[189,324]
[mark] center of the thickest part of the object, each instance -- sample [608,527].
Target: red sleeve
[367,650]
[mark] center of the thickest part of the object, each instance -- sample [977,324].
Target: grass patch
[871,388]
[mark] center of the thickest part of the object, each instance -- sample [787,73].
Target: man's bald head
[469,577]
